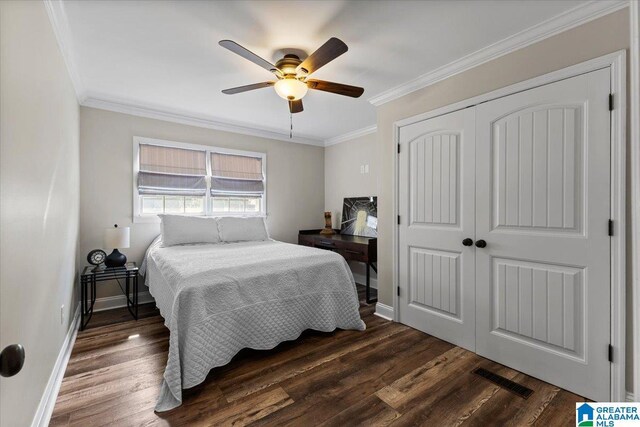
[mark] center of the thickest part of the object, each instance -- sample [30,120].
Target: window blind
[172,171]
[234,175]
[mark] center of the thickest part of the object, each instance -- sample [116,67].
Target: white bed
[217,299]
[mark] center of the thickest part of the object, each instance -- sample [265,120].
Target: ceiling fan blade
[295,106]
[339,88]
[325,54]
[247,54]
[246,88]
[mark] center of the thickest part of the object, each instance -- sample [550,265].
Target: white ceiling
[164,55]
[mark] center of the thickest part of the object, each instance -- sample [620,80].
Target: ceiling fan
[292,73]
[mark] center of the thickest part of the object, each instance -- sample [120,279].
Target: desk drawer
[326,244]
[354,253]
[305,240]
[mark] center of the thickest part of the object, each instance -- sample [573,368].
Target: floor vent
[505,383]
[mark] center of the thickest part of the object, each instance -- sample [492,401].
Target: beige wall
[342,178]
[295,178]
[39,202]
[599,37]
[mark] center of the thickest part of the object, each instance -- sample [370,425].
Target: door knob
[467,242]
[11,360]
[481,243]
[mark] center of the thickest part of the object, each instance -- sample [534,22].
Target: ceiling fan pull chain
[291,126]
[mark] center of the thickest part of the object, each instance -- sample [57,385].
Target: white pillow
[180,230]
[242,229]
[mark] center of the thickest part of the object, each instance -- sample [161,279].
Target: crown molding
[350,135]
[61,29]
[168,116]
[563,22]
[60,25]
[190,120]
[555,25]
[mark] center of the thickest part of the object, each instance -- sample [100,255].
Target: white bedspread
[217,299]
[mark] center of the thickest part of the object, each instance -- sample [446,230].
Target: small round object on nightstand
[96,257]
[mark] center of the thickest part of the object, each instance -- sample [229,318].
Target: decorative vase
[328,229]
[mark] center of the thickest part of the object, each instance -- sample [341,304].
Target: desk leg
[368,285]
[368,290]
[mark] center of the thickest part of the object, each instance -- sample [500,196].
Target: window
[171,180]
[176,178]
[237,183]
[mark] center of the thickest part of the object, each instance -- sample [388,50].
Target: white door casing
[437,164]
[543,206]
[615,63]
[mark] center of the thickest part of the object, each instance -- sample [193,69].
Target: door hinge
[398,148]
[398,219]
[610,227]
[398,292]
[610,102]
[610,353]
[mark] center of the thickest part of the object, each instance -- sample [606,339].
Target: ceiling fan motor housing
[288,65]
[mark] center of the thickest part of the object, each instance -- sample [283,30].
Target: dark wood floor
[389,374]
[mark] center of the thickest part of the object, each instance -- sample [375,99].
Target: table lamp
[116,238]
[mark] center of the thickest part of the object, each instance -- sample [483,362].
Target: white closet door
[542,204]
[436,206]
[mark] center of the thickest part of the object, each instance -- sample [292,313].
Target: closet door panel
[542,206]
[437,187]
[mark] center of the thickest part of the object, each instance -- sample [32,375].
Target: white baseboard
[117,301]
[384,311]
[48,400]
[361,279]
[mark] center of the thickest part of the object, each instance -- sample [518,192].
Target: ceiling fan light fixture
[290,70]
[291,89]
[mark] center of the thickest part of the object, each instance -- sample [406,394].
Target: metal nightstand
[92,275]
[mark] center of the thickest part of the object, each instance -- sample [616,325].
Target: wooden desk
[352,248]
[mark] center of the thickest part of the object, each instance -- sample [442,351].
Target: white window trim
[139,217]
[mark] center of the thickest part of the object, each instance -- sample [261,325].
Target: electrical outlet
[62,314]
